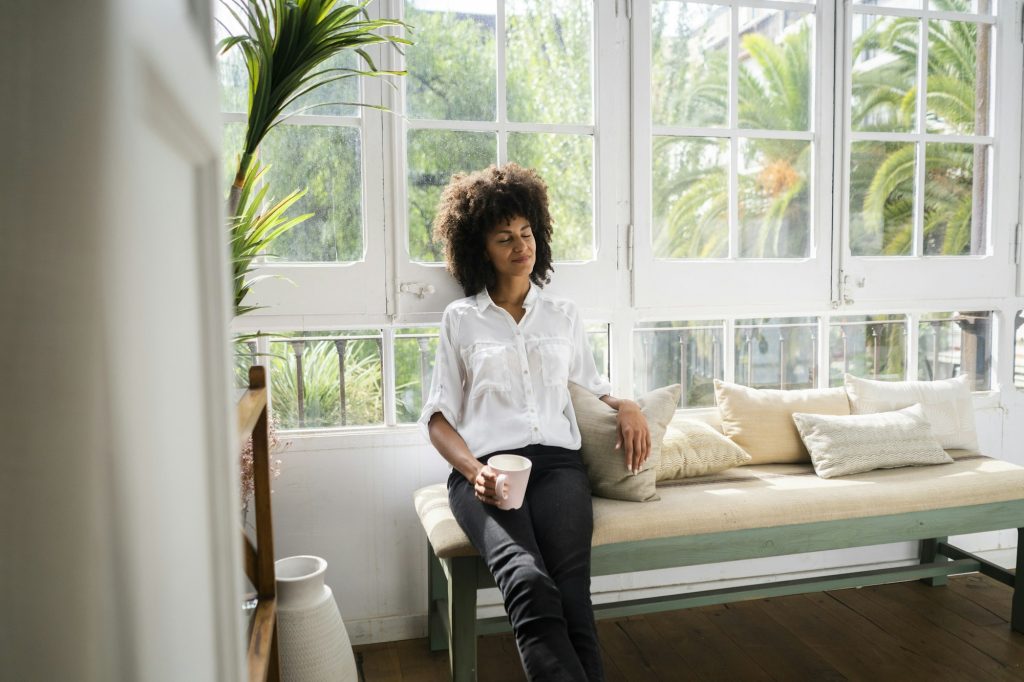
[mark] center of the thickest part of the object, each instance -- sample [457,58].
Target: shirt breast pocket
[555,356]
[488,363]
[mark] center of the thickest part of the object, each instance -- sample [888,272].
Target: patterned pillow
[695,448]
[946,403]
[856,443]
[606,466]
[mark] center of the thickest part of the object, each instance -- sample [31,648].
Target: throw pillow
[606,466]
[761,420]
[946,403]
[862,442]
[695,448]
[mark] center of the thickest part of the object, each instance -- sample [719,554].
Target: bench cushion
[761,496]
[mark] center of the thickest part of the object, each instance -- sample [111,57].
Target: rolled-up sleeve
[446,383]
[583,369]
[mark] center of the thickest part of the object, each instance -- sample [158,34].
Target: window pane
[549,60]
[902,4]
[327,379]
[884,73]
[777,352]
[950,344]
[690,197]
[451,67]
[415,351]
[882,198]
[434,156]
[324,160]
[597,337]
[774,198]
[566,162]
[688,353]
[689,64]
[958,77]
[234,79]
[1018,348]
[981,6]
[776,62]
[869,346]
[234,138]
[954,200]
[245,356]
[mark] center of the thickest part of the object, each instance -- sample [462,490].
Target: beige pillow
[761,420]
[695,448]
[862,442]
[606,466]
[947,405]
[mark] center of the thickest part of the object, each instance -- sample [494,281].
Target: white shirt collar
[483,299]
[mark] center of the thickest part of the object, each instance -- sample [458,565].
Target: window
[772,192]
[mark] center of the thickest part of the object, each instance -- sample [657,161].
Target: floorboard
[906,631]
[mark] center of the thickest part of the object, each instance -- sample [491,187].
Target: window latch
[418,289]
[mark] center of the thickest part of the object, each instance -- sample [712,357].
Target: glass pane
[415,351]
[882,198]
[869,346]
[774,198]
[334,97]
[245,356]
[778,352]
[902,4]
[980,6]
[688,353]
[597,337]
[950,344]
[1018,350]
[326,162]
[776,60]
[452,66]
[954,199]
[234,138]
[549,60]
[689,64]
[959,57]
[566,162]
[690,197]
[434,156]
[327,379]
[234,78]
[884,76]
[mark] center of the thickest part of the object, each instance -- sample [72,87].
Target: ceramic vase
[313,644]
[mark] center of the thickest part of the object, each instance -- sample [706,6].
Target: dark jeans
[539,556]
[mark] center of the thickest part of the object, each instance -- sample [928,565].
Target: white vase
[313,645]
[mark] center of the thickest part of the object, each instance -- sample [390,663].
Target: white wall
[348,498]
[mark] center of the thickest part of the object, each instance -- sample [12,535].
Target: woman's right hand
[484,486]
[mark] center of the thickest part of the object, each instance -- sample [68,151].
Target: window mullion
[922,108]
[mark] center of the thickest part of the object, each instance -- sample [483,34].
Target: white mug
[513,474]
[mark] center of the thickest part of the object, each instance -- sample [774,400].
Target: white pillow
[856,443]
[946,403]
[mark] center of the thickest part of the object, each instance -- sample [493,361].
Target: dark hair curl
[473,204]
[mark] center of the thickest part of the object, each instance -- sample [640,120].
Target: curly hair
[473,204]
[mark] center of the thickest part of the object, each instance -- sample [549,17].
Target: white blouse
[503,385]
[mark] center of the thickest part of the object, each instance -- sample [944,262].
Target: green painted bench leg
[437,592]
[1017,612]
[928,553]
[462,618]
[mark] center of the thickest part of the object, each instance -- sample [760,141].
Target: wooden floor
[907,631]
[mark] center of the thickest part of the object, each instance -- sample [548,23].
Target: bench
[746,513]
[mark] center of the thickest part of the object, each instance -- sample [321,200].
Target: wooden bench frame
[452,621]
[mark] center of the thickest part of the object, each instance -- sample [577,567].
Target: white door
[125,558]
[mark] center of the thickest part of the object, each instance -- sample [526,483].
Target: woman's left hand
[633,435]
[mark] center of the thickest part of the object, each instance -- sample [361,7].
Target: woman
[500,384]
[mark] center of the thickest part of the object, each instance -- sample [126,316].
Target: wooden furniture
[262,656]
[747,513]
